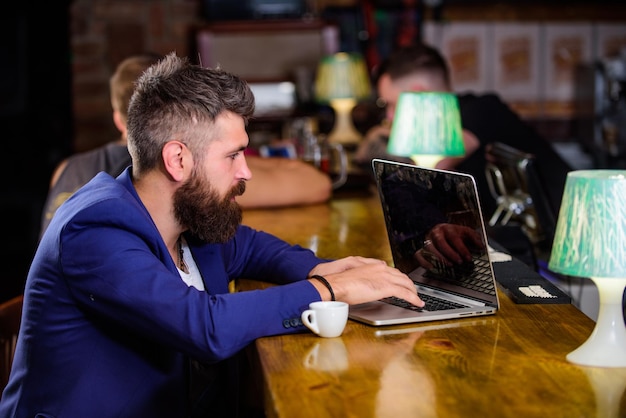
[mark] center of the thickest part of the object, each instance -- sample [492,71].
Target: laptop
[428,214]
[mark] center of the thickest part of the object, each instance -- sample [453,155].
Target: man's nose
[244,171]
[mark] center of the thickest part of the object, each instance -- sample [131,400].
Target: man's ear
[176,159]
[118,120]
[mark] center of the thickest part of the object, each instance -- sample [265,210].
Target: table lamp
[590,242]
[426,127]
[341,81]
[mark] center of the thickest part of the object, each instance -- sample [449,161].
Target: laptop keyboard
[475,275]
[432,303]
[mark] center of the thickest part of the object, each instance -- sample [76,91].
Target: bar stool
[10,317]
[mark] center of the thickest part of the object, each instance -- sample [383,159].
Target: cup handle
[343,165]
[308,319]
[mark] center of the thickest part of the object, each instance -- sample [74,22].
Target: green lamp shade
[426,123]
[590,238]
[590,242]
[342,76]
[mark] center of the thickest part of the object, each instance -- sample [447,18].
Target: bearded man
[128,290]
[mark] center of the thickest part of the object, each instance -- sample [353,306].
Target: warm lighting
[341,81]
[590,242]
[426,127]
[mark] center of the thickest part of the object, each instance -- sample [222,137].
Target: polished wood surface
[511,364]
[345,226]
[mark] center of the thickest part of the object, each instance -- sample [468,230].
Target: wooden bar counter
[511,364]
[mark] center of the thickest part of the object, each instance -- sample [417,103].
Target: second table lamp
[426,127]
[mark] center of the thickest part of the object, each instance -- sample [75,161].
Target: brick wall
[104,32]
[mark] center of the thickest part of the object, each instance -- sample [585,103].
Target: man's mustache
[238,190]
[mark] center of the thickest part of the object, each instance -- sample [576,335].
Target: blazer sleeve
[259,255]
[118,270]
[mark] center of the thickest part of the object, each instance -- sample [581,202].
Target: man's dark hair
[410,59]
[172,99]
[122,82]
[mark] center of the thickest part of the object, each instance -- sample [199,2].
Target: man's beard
[198,207]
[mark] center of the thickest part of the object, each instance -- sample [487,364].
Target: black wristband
[325,283]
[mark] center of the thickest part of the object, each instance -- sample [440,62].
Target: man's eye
[381,103]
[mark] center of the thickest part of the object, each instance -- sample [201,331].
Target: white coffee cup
[326,319]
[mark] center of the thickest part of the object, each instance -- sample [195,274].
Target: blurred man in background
[485,119]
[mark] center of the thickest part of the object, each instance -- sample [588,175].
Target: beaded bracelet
[325,283]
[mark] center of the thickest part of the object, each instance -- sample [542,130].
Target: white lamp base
[606,347]
[343,131]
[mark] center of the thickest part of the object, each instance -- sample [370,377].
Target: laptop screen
[436,229]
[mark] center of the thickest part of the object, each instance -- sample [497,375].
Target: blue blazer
[108,325]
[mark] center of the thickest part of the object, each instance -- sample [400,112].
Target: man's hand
[359,279]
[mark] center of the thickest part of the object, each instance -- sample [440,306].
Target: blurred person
[485,119]
[76,170]
[129,284]
[276,181]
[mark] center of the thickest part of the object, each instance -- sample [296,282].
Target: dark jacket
[108,325]
[491,120]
